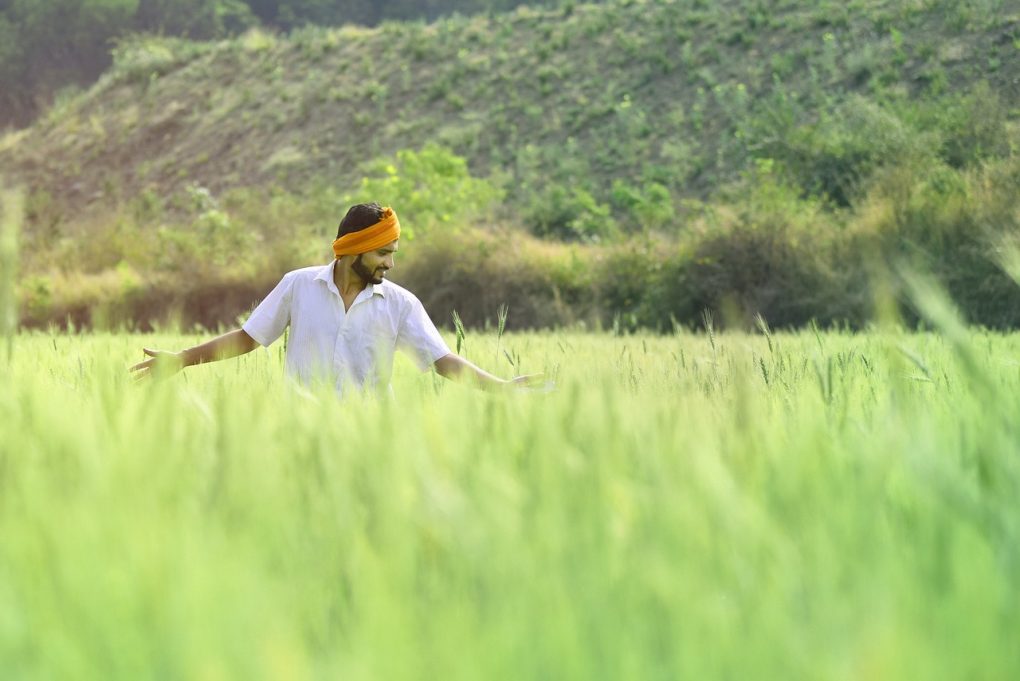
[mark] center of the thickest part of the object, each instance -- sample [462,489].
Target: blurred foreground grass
[729,506]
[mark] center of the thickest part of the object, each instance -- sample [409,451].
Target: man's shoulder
[398,293]
[304,273]
[304,278]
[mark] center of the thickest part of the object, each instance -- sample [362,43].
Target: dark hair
[359,216]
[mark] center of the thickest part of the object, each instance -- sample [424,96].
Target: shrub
[569,213]
[971,128]
[770,253]
[431,186]
[623,277]
[753,268]
[834,156]
[949,223]
[648,207]
[545,284]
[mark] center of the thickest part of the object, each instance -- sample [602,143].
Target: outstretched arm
[455,367]
[163,363]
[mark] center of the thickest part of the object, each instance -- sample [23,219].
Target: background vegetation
[49,48]
[624,165]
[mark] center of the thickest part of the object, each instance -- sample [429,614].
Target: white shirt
[344,347]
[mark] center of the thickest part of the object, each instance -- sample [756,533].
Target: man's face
[372,266]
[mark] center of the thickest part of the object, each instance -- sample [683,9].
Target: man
[345,319]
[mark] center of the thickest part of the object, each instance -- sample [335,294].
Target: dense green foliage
[710,506]
[50,45]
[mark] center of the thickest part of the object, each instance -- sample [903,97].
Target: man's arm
[419,336]
[457,368]
[163,363]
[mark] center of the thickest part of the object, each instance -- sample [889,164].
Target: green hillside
[592,122]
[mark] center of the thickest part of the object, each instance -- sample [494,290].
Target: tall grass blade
[458,327]
[936,308]
[501,315]
[763,326]
[1008,253]
[11,212]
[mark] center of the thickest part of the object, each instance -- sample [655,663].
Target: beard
[367,275]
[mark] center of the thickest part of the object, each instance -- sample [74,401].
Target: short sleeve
[272,315]
[419,337]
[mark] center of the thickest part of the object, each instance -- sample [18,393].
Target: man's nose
[388,262]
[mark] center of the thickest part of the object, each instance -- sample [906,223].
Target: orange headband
[370,238]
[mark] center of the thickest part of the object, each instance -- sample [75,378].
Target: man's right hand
[160,364]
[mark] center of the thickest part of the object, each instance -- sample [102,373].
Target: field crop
[705,506]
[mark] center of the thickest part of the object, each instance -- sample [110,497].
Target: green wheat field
[819,505]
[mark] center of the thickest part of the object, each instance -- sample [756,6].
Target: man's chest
[348,299]
[326,319]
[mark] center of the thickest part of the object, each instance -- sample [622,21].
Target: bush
[833,157]
[569,213]
[971,128]
[545,284]
[648,207]
[770,252]
[752,269]
[432,187]
[950,223]
[623,278]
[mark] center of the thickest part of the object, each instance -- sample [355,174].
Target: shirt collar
[325,274]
